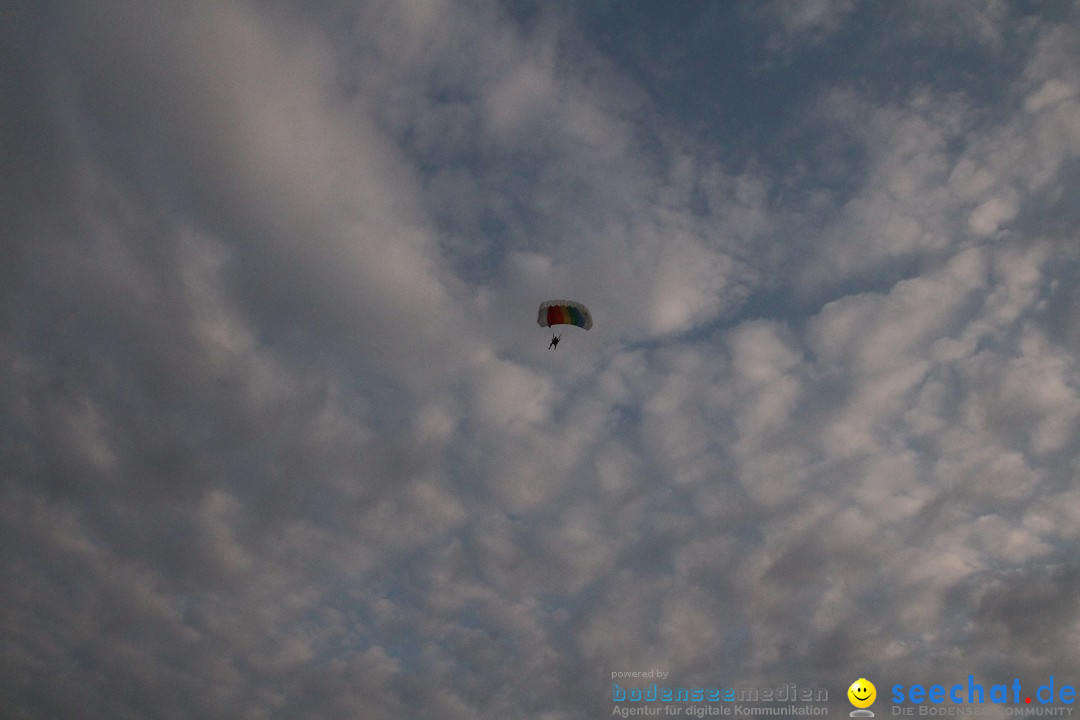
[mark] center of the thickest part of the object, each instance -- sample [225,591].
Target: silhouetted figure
[555,342]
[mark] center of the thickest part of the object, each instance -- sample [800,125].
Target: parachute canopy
[564,312]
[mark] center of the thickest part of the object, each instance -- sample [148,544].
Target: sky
[280,436]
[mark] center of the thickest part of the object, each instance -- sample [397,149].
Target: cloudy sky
[280,437]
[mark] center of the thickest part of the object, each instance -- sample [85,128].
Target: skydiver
[555,341]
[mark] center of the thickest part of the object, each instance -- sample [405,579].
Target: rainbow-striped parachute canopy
[564,312]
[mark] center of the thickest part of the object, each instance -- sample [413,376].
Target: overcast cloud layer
[280,438]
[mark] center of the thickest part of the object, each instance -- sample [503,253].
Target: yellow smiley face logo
[862,693]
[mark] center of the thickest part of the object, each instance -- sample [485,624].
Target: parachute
[563,312]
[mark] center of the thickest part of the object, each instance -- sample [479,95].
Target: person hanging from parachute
[563,312]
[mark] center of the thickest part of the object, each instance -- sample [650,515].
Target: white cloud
[283,438]
[805,23]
